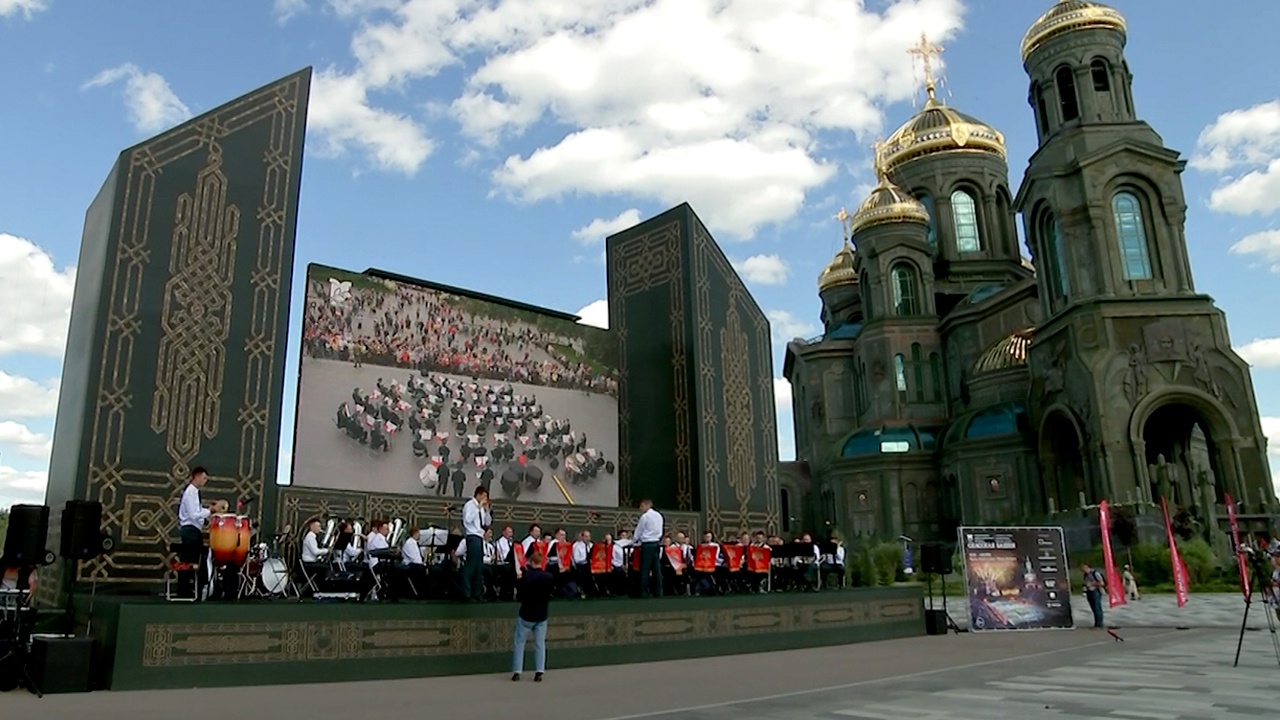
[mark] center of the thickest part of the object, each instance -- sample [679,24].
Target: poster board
[1016,578]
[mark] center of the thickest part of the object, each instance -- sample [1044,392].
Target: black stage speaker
[935,622]
[24,543]
[935,559]
[60,665]
[82,536]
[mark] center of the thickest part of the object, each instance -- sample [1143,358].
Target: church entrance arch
[1187,442]
[1062,461]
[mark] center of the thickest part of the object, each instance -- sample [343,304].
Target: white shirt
[553,557]
[503,548]
[581,552]
[490,551]
[189,510]
[527,543]
[618,559]
[648,527]
[411,552]
[837,559]
[375,541]
[311,551]
[474,518]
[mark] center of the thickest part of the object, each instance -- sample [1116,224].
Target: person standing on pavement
[1094,586]
[534,588]
[1130,584]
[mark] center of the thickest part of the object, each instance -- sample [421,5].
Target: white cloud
[21,486]
[26,7]
[152,104]
[716,104]
[1250,136]
[599,229]
[764,269]
[787,327]
[1247,139]
[786,434]
[20,439]
[1265,244]
[286,10]
[1261,353]
[35,299]
[22,397]
[595,314]
[343,118]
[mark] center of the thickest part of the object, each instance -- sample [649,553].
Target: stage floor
[148,643]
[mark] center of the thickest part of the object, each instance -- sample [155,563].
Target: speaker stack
[82,536]
[24,542]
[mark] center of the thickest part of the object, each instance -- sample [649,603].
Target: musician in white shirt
[833,562]
[191,518]
[580,556]
[377,540]
[504,575]
[649,536]
[535,534]
[415,572]
[311,551]
[553,553]
[475,520]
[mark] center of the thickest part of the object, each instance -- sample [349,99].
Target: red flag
[1115,587]
[1181,583]
[1241,564]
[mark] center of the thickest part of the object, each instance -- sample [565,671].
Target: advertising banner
[1115,586]
[1241,564]
[1181,580]
[1017,578]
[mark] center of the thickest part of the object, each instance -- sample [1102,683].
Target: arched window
[917,369]
[904,290]
[1131,232]
[964,211]
[935,375]
[1042,110]
[868,309]
[1057,253]
[927,201]
[1101,75]
[900,375]
[1066,81]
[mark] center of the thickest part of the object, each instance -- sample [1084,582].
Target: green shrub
[1198,556]
[887,558]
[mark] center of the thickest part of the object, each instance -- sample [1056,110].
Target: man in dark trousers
[459,480]
[1094,586]
[534,588]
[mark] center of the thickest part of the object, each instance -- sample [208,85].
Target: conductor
[475,520]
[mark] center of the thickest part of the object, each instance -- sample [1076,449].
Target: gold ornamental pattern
[636,265]
[171,645]
[196,316]
[140,499]
[739,415]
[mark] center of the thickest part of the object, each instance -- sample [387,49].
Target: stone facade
[956,384]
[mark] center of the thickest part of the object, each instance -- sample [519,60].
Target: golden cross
[845,220]
[927,52]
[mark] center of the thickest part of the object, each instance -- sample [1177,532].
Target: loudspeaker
[82,536]
[59,664]
[935,622]
[24,543]
[935,559]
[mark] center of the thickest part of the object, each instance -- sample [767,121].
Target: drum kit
[260,569]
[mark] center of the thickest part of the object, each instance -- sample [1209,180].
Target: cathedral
[958,383]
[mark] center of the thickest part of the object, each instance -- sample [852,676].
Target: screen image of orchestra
[410,389]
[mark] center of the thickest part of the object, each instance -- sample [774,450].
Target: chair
[177,566]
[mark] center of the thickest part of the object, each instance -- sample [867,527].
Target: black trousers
[191,550]
[650,568]
[472,577]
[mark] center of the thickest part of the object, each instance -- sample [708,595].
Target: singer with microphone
[476,519]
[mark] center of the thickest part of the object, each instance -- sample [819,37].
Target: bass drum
[275,576]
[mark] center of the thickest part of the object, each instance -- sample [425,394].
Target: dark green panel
[648,309]
[180,319]
[737,437]
[159,645]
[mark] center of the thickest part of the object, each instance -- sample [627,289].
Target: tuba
[396,536]
[330,534]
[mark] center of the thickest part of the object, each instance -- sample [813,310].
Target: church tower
[955,165]
[1136,392]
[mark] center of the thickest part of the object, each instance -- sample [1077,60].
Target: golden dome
[938,128]
[1068,16]
[1007,354]
[840,271]
[887,204]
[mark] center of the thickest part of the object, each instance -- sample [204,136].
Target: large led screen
[412,388]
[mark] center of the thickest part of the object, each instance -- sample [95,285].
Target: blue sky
[492,144]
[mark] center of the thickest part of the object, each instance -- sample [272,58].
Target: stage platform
[145,643]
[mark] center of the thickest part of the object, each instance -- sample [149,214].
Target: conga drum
[244,529]
[224,535]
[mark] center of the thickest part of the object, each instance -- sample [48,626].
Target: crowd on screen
[583,566]
[431,331]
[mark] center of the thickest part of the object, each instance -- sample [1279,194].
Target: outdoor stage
[145,643]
